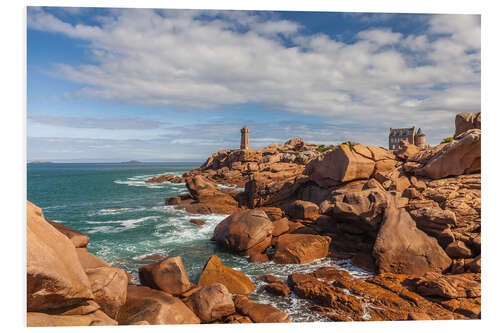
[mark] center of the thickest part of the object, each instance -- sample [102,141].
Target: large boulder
[168,275]
[401,247]
[77,238]
[459,157]
[245,232]
[465,121]
[211,303]
[300,248]
[109,286]
[55,278]
[342,164]
[260,313]
[154,306]
[215,272]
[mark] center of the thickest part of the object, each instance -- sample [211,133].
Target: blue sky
[177,85]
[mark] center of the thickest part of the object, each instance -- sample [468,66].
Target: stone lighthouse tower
[245,142]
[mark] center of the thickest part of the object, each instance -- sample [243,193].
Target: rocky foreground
[412,217]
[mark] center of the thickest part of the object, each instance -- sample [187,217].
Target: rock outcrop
[466,121]
[349,162]
[462,156]
[341,297]
[55,278]
[402,248]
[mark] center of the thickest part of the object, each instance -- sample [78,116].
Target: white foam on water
[178,229]
[239,189]
[117,211]
[110,227]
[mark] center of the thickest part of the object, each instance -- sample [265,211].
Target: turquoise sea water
[127,220]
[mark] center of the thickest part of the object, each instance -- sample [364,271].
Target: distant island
[40,162]
[131,161]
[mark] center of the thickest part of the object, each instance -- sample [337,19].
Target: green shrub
[446,140]
[323,148]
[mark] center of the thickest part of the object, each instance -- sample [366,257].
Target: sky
[111,85]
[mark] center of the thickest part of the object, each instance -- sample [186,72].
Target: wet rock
[268,278]
[278,288]
[160,179]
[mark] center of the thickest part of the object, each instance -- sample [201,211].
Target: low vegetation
[323,148]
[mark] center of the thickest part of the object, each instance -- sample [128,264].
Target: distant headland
[40,162]
[131,161]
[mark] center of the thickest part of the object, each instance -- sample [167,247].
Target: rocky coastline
[410,216]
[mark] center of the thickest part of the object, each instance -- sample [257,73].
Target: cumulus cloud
[201,60]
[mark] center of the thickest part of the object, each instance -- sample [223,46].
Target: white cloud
[182,59]
[380,36]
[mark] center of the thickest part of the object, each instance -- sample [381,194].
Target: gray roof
[420,133]
[401,131]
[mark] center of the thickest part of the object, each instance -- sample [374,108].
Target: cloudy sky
[177,85]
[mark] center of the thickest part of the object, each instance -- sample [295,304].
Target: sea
[127,220]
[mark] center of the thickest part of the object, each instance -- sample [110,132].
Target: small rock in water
[198,222]
[152,257]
